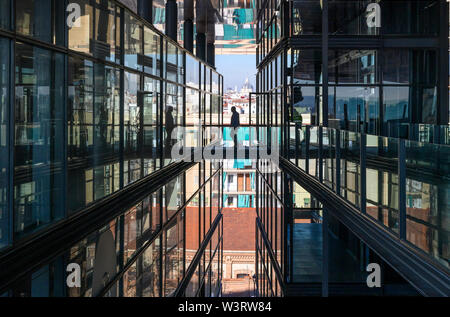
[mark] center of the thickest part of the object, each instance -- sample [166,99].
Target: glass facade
[89,107]
[5,215]
[354,109]
[351,103]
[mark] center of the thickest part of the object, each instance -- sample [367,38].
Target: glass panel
[307,66]
[173,118]
[353,67]
[151,120]
[132,122]
[427,198]
[32,19]
[133,42]
[192,72]
[403,66]
[356,108]
[410,17]
[131,231]
[382,186]
[129,281]
[172,62]
[80,108]
[173,260]
[105,35]
[38,138]
[306,100]
[152,60]
[5,14]
[192,235]
[306,17]
[352,17]
[192,107]
[107,109]
[93,132]
[80,131]
[350,167]
[150,271]
[174,197]
[4,142]
[81,30]
[396,108]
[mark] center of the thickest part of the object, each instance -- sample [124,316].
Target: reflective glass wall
[381,77]
[90,102]
[167,244]
[355,107]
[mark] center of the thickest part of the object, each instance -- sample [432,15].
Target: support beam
[324,118]
[145,9]
[189,25]
[201,9]
[171,19]
[200,50]
[210,39]
[211,54]
[443,114]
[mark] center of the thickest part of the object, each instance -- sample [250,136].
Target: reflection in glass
[132,42]
[427,199]
[355,108]
[93,131]
[38,138]
[152,60]
[132,122]
[410,17]
[173,197]
[171,62]
[353,66]
[5,16]
[396,104]
[306,17]
[32,19]
[149,277]
[351,17]
[4,142]
[105,27]
[192,72]
[307,67]
[82,30]
[173,259]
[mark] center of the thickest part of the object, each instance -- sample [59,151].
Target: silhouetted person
[346,126]
[170,126]
[235,124]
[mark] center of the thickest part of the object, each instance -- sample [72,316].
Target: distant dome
[247,86]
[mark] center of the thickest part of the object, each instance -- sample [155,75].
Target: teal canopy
[244,201]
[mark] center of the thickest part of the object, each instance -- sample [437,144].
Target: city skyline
[246,66]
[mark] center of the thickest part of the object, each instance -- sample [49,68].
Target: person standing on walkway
[235,124]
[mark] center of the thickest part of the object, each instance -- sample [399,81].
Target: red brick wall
[239,229]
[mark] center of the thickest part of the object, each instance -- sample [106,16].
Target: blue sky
[235,68]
